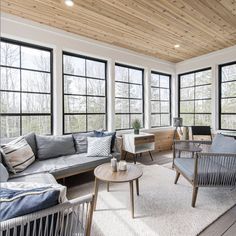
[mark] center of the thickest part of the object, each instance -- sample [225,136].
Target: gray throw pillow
[4,175]
[223,144]
[81,142]
[30,138]
[54,146]
[99,146]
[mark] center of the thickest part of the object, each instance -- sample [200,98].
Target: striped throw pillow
[18,155]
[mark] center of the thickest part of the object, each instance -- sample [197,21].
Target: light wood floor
[223,226]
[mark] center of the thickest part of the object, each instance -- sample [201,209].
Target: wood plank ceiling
[151,27]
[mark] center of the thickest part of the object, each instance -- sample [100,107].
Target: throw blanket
[18,199]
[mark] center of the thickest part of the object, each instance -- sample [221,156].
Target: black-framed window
[227,96]
[25,89]
[160,99]
[84,93]
[128,95]
[195,97]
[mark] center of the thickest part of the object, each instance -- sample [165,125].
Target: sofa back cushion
[17,155]
[223,144]
[81,141]
[54,146]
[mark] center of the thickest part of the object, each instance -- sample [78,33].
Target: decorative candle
[114,164]
[122,165]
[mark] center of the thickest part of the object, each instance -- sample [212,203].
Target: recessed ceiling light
[69,3]
[177,45]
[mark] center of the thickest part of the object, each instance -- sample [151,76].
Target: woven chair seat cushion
[212,174]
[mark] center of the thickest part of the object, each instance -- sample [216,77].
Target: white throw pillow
[18,155]
[99,146]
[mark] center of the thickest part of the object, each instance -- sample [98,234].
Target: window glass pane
[228,122]
[155,120]
[36,59]
[134,117]
[35,103]
[203,92]
[74,65]
[74,85]
[122,105]
[75,123]
[121,73]
[122,90]
[228,105]
[74,104]
[37,124]
[135,91]
[229,72]
[136,106]
[10,126]
[203,106]
[187,107]
[36,81]
[187,94]
[203,77]
[96,105]
[155,81]
[165,107]
[10,54]
[96,87]
[135,76]
[122,121]
[95,69]
[164,81]
[165,119]
[10,79]
[96,122]
[155,105]
[188,119]
[228,89]
[164,94]
[187,80]
[201,119]
[10,102]
[155,93]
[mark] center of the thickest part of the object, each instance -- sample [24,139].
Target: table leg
[132,198]
[137,187]
[150,155]
[95,192]
[125,156]
[107,186]
[135,157]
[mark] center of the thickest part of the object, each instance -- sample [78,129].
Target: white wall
[209,60]
[27,31]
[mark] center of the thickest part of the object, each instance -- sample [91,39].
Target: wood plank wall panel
[150,27]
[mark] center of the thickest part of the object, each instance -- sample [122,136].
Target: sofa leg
[194,197]
[177,177]
[64,181]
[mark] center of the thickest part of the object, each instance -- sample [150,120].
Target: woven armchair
[205,169]
[70,218]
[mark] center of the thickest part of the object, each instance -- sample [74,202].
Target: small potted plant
[136,124]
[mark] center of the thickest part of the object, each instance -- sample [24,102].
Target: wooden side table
[104,173]
[138,144]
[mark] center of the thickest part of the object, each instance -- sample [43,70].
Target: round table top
[104,172]
[189,147]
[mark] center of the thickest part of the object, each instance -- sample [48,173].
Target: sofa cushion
[99,146]
[64,165]
[4,175]
[30,138]
[103,134]
[18,155]
[223,144]
[81,142]
[54,146]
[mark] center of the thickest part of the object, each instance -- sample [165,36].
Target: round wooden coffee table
[104,173]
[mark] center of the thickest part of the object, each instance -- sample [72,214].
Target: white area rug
[162,209]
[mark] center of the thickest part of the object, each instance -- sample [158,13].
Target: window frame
[220,93]
[153,100]
[66,53]
[194,100]
[142,85]
[20,68]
